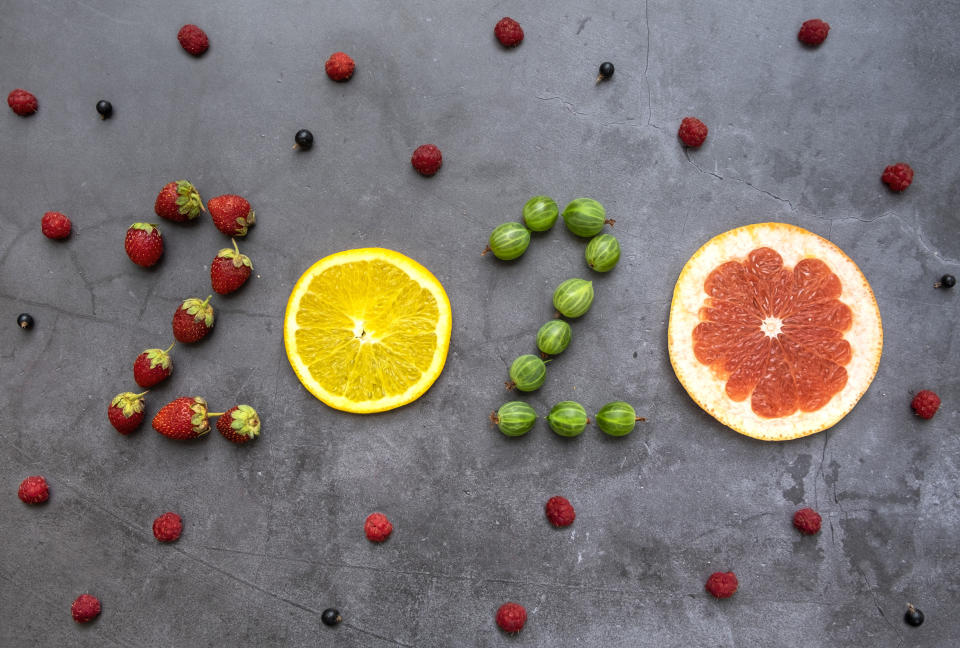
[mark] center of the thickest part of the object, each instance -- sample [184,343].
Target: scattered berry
[126,412]
[144,244]
[34,490]
[925,404]
[813,32]
[178,201]
[153,366]
[22,102]
[24,321]
[239,424]
[377,527]
[427,159]
[229,270]
[183,418]
[560,511]
[193,320]
[807,521]
[105,109]
[167,527]
[193,39]
[331,617]
[55,225]
[303,139]
[722,585]
[339,66]
[913,616]
[897,176]
[946,281]
[605,71]
[509,32]
[231,214]
[511,617]
[85,608]
[692,132]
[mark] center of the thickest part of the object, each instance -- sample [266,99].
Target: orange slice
[774,331]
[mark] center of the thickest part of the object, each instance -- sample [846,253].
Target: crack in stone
[566,104]
[747,183]
[646,61]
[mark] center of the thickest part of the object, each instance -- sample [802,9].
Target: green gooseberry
[508,241]
[515,418]
[540,213]
[553,337]
[618,418]
[603,252]
[568,418]
[573,297]
[527,373]
[585,217]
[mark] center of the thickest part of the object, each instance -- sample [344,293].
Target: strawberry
[152,366]
[239,424]
[193,320]
[144,244]
[231,214]
[229,270]
[183,418]
[178,201]
[126,412]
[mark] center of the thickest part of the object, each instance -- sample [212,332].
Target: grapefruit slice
[774,331]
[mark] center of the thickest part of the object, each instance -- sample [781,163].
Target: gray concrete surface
[273,532]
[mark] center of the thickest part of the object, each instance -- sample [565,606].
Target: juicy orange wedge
[367,330]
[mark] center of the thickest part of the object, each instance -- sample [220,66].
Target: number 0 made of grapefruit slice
[774,331]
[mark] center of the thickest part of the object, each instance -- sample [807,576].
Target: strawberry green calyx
[146,227]
[201,310]
[244,222]
[199,422]
[159,357]
[129,402]
[244,421]
[188,200]
[238,258]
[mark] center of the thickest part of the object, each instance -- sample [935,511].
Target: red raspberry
[722,585]
[511,617]
[55,225]
[377,527]
[339,66]
[509,32]
[167,527]
[193,39]
[813,32]
[34,490]
[560,511]
[897,176]
[85,609]
[692,132]
[807,521]
[427,159]
[22,102]
[925,404]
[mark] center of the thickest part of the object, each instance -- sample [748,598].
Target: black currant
[304,139]
[105,108]
[24,321]
[913,616]
[946,281]
[331,617]
[606,71]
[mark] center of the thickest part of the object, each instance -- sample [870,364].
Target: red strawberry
[193,320]
[229,270]
[231,214]
[178,201]
[184,418]
[55,225]
[152,366]
[144,244]
[239,424]
[126,412]
[22,102]
[193,39]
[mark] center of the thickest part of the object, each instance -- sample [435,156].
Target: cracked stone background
[273,531]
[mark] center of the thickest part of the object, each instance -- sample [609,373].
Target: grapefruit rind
[415,272]
[793,244]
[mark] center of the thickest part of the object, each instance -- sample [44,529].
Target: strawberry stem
[169,347]
[215,414]
[207,300]
[235,248]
